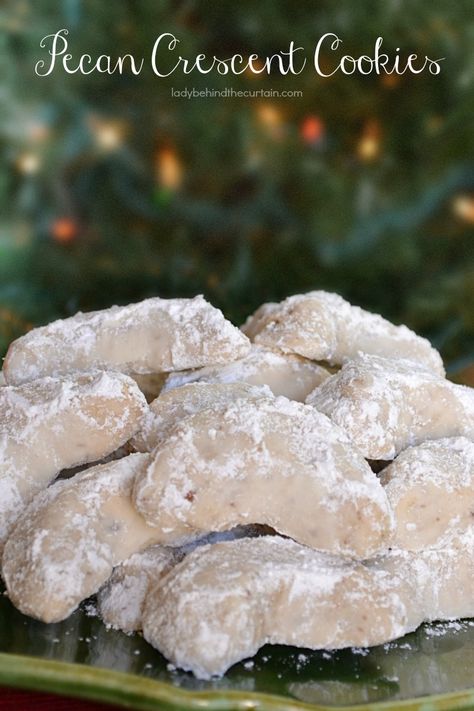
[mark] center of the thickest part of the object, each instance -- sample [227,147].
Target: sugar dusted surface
[443,575]
[120,601]
[429,487]
[385,405]
[52,424]
[65,544]
[324,326]
[173,406]
[122,598]
[285,374]
[155,335]
[231,453]
[427,462]
[223,602]
[269,461]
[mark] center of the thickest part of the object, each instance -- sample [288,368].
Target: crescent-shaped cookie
[52,424]
[69,539]
[430,488]
[385,405]
[267,461]
[172,406]
[122,599]
[153,336]
[223,602]
[324,326]
[289,375]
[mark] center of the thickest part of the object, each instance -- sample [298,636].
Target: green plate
[429,670]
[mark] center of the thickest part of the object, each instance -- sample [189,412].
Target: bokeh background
[111,190]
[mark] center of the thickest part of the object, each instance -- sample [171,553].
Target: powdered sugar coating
[65,545]
[385,405]
[450,592]
[268,461]
[324,326]
[257,321]
[122,599]
[52,424]
[289,375]
[172,406]
[223,602]
[155,335]
[430,488]
[441,574]
[246,457]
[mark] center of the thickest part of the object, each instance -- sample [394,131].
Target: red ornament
[64,230]
[312,130]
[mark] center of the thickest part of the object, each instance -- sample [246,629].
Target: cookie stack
[224,492]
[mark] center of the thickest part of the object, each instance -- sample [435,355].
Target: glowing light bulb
[169,169]
[28,163]
[463,207]
[368,147]
[64,230]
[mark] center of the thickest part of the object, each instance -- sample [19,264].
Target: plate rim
[145,694]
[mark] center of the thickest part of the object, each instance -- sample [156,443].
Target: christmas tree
[113,190]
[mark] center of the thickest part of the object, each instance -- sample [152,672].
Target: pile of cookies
[307,479]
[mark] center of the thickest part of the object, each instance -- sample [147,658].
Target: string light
[368,147]
[64,230]
[390,81]
[312,130]
[271,118]
[463,207]
[169,169]
[108,133]
[28,163]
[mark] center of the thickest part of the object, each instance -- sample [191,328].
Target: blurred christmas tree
[112,190]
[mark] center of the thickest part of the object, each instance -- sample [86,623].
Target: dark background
[111,190]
